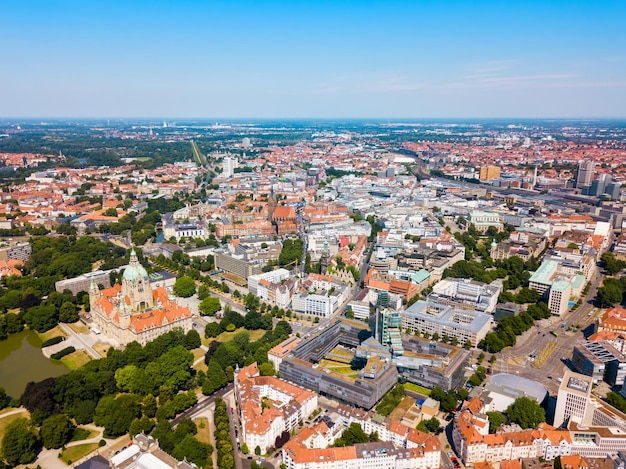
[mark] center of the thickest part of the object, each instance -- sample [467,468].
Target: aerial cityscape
[399,243]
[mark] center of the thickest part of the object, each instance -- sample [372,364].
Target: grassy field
[75,453]
[416,388]
[201,367]
[101,348]
[81,433]
[228,336]
[4,421]
[199,353]
[76,359]
[55,331]
[79,327]
[204,434]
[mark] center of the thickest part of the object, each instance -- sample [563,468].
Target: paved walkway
[49,458]
[85,341]
[19,410]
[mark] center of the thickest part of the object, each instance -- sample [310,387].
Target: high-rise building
[584,175]
[388,323]
[613,190]
[487,173]
[572,399]
[598,186]
[228,166]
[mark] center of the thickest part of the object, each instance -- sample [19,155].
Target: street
[519,358]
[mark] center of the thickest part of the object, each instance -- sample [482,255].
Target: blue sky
[206,58]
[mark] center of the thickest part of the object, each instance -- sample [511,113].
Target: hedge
[61,353]
[53,341]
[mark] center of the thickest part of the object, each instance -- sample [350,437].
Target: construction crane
[294,262]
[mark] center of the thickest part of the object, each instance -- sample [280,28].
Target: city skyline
[314,60]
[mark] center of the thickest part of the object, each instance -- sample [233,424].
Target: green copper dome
[134,269]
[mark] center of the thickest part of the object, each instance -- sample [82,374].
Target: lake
[21,361]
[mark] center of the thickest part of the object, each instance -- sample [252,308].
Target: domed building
[134,311]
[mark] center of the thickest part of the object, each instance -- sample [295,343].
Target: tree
[616,401]
[192,340]
[56,430]
[184,287]
[3,398]
[610,293]
[474,380]
[352,435]
[527,295]
[495,420]
[257,450]
[19,442]
[526,412]
[42,317]
[215,379]
[267,369]
[611,264]
[194,451]
[149,406]
[67,312]
[209,306]
[203,292]
[431,425]
[38,398]
[116,414]
[447,400]
[212,329]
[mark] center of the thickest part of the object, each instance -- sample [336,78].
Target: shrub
[52,341]
[61,353]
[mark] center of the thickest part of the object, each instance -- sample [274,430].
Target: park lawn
[204,434]
[79,327]
[81,433]
[101,348]
[76,359]
[228,336]
[201,367]
[4,421]
[74,453]
[54,332]
[416,388]
[197,353]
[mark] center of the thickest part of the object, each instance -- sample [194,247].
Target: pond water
[21,361]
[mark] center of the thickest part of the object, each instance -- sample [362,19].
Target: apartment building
[482,221]
[302,366]
[15,251]
[245,259]
[83,282]
[466,294]
[261,426]
[446,320]
[601,361]
[572,398]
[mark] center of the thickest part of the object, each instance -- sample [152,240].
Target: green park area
[75,453]
[7,419]
[338,367]
[416,388]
